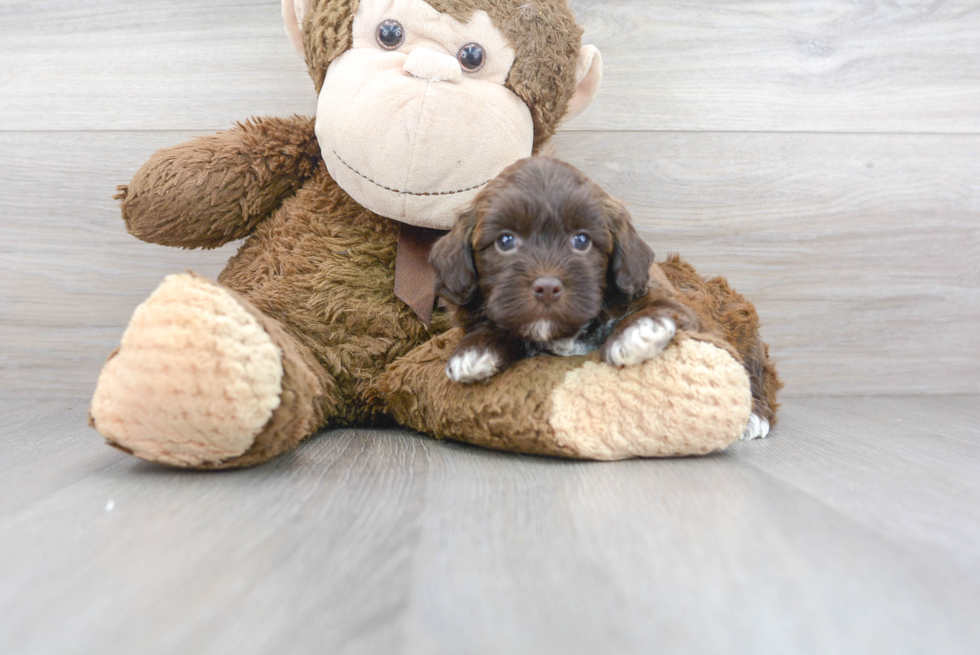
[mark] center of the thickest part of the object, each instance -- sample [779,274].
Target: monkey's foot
[203,380]
[691,399]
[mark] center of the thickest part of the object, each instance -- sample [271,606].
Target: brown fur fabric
[576,407]
[217,188]
[304,403]
[323,267]
[543,75]
[327,34]
[509,414]
[725,312]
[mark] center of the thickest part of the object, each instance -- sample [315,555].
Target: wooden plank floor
[853,529]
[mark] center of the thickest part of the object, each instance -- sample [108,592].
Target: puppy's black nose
[547,289]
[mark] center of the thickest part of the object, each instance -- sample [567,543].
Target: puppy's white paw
[472,366]
[757,428]
[641,341]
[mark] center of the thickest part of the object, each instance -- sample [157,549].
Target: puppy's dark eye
[471,57]
[391,34]
[581,242]
[506,242]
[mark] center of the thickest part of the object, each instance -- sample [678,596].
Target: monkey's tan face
[415,119]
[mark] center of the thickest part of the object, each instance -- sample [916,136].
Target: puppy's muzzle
[547,289]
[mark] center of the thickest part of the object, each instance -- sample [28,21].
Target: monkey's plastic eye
[391,34]
[581,242]
[506,242]
[471,57]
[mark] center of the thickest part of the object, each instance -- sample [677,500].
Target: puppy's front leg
[481,354]
[644,333]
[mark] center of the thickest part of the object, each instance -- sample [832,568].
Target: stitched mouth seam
[404,193]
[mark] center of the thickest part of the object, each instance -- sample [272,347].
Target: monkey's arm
[215,189]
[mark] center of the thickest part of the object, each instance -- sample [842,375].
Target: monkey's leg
[205,380]
[693,398]
[726,312]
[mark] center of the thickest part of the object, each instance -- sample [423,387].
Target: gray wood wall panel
[171,64]
[743,65]
[824,157]
[832,65]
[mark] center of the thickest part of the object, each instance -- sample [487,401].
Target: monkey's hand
[216,189]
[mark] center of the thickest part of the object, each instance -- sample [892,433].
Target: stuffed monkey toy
[325,316]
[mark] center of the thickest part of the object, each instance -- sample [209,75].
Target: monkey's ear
[452,257]
[588,78]
[629,264]
[293,14]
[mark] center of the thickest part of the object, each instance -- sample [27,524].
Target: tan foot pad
[195,379]
[692,399]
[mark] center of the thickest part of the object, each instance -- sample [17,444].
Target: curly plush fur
[236,178]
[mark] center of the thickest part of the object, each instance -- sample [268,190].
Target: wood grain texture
[852,529]
[742,65]
[859,250]
[829,66]
[174,64]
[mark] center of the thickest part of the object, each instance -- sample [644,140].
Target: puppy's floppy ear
[452,257]
[629,263]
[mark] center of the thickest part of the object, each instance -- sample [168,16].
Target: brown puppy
[545,262]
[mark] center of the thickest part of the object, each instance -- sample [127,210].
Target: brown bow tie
[414,276]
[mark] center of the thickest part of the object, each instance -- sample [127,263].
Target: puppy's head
[540,250]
